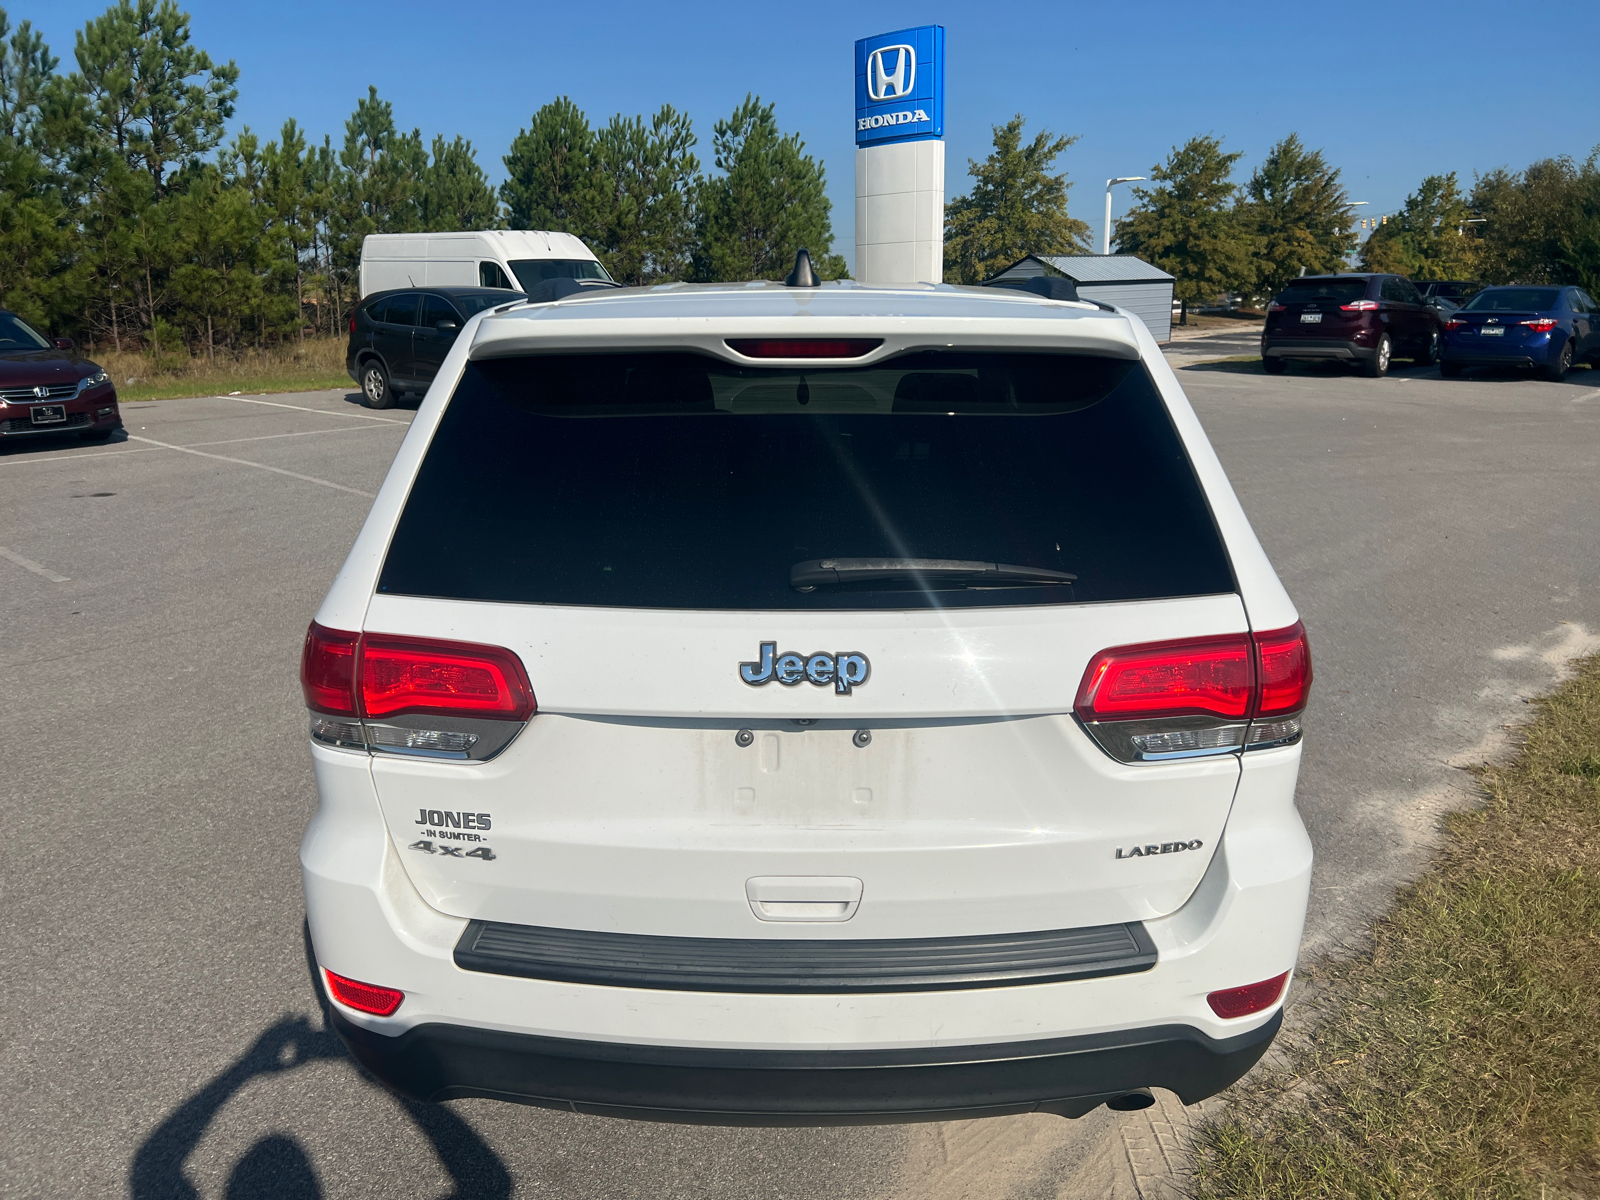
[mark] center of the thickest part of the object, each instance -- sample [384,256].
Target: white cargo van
[504,258]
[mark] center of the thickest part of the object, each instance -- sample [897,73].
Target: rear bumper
[1067,1076]
[1316,348]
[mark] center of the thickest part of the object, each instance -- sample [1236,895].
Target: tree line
[127,221]
[1292,215]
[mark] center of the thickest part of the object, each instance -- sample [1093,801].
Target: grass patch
[1239,362]
[312,365]
[1459,1056]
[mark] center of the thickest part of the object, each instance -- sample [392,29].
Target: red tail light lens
[352,322]
[419,675]
[1454,323]
[1208,676]
[328,670]
[1284,671]
[1252,998]
[1276,307]
[1360,306]
[1540,324]
[363,997]
[804,348]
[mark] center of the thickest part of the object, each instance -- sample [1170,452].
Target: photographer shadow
[276,1165]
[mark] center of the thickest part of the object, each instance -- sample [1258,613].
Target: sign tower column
[900,157]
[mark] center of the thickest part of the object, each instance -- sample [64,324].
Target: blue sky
[1389,91]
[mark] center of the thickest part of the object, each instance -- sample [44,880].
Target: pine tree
[1186,225]
[1016,208]
[1297,215]
[552,180]
[454,193]
[770,201]
[648,179]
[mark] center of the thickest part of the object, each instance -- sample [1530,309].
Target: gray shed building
[1119,279]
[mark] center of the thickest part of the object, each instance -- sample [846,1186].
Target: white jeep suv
[767,704]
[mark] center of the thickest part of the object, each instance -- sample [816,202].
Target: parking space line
[27,564]
[321,412]
[245,462]
[55,458]
[267,437]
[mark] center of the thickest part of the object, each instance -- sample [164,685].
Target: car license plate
[1493,331]
[1310,318]
[49,414]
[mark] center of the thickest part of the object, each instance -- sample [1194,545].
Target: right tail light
[1183,699]
[1360,306]
[417,696]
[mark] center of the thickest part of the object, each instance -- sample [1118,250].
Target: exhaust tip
[1134,1101]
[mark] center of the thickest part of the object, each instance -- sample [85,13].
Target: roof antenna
[803,275]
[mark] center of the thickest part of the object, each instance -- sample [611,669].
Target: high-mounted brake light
[1212,695]
[804,347]
[1251,998]
[1540,324]
[1360,306]
[363,997]
[420,675]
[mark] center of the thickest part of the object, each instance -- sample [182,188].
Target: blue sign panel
[900,86]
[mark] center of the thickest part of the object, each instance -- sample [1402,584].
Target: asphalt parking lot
[162,1037]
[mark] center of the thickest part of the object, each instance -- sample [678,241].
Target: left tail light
[352,322]
[418,696]
[1455,323]
[1216,695]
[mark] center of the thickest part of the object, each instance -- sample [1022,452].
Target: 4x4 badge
[845,669]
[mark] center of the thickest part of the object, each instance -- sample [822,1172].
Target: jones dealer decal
[453,827]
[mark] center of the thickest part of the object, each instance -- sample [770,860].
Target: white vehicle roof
[703,316]
[509,243]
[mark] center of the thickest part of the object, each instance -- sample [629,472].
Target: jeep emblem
[845,669]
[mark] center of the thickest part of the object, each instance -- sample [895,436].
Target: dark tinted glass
[17,334]
[476,302]
[1512,299]
[436,309]
[490,275]
[531,272]
[1335,291]
[679,481]
[401,310]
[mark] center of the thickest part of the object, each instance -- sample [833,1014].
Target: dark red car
[1360,319]
[46,388]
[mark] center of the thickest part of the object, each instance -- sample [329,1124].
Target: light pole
[1105,237]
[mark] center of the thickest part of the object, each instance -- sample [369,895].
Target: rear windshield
[531,272]
[1336,291]
[681,481]
[1524,299]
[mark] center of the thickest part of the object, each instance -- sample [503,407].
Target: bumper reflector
[1252,998]
[363,997]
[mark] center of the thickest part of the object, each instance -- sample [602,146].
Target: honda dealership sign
[900,86]
[900,157]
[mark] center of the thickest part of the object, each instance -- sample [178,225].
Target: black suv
[1364,319]
[398,338]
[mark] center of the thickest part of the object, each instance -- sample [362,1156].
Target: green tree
[1297,216]
[454,193]
[1186,225]
[159,100]
[1427,239]
[552,181]
[1016,207]
[26,70]
[770,201]
[1528,219]
[218,238]
[648,179]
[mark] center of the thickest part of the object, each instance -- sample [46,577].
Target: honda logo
[41,391]
[884,84]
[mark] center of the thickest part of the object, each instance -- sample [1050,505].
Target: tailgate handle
[803,897]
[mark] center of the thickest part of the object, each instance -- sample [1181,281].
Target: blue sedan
[1546,328]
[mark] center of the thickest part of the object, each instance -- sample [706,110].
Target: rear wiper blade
[959,572]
